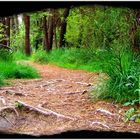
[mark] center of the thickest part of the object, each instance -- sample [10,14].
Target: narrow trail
[65,92]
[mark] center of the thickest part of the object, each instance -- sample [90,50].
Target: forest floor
[59,101]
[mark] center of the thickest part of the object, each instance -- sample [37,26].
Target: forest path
[65,92]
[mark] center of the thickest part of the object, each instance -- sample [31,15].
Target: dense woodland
[94,38]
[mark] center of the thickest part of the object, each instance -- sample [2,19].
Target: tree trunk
[46,34]
[4,41]
[27,34]
[8,31]
[136,45]
[17,23]
[13,25]
[63,28]
[50,29]
[55,38]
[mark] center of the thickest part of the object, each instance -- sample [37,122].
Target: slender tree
[46,34]
[8,31]
[63,28]
[27,34]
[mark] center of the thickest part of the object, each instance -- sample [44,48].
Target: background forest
[95,38]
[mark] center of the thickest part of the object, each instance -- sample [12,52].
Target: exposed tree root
[107,113]
[43,110]
[77,92]
[57,114]
[99,123]
[86,84]
[33,108]
[3,101]
[10,108]
[11,92]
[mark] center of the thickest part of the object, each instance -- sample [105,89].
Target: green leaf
[127,104]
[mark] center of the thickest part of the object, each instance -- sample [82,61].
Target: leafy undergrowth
[74,58]
[10,69]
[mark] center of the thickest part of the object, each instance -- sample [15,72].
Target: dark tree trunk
[17,23]
[27,34]
[8,31]
[136,43]
[55,38]
[4,41]
[50,29]
[13,24]
[46,34]
[63,28]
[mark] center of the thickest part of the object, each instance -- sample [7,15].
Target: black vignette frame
[8,8]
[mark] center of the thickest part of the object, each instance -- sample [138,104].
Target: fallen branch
[77,92]
[9,107]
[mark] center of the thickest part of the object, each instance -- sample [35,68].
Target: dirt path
[65,92]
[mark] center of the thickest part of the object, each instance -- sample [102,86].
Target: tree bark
[63,28]
[3,41]
[46,34]
[55,38]
[27,34]
[136,45]
[17,23]
[8,31]
[50,30]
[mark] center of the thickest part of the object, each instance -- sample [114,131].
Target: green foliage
[19,106]
[18,55]
[123,72]
[99,29]
[17,40]
[133,114]
[5,55]
[40,56]
[1,80]
[13,70]
[75,58]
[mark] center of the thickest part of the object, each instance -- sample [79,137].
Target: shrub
[40,56]
[123,72]
[18,55]
[6,55]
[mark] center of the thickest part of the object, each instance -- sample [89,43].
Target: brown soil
[58,90]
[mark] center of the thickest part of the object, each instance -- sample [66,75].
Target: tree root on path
[11,92]
[107,113]
[57,114]
[99,123]
[3,101]
[86,84]
[77,92]
[43,111]
[9,108]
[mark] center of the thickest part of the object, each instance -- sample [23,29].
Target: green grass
[40,56]
[9,69]
[123,78]
[74,58]
[18,55]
